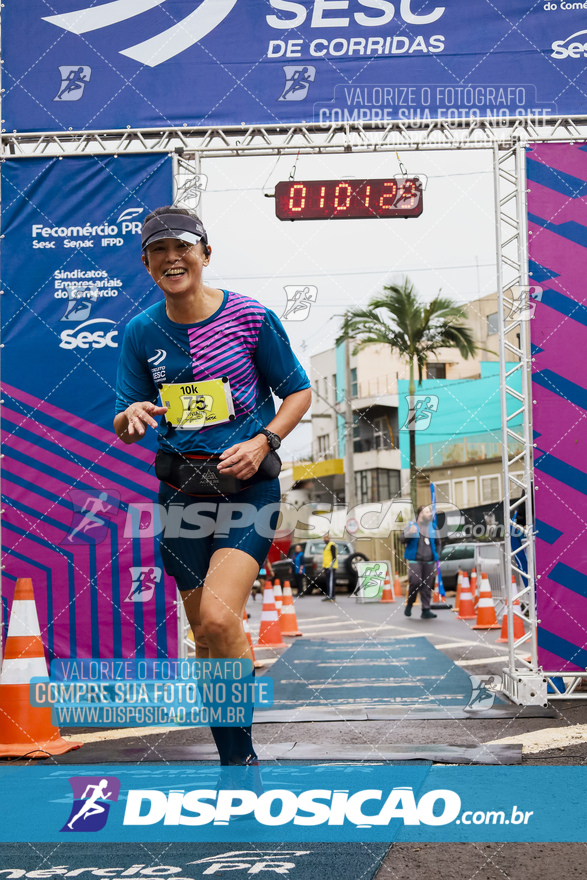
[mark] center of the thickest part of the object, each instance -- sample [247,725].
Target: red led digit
[388,195]
[409,194]
[292,196]
[348,197]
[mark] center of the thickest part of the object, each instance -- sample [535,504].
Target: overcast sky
[451,246]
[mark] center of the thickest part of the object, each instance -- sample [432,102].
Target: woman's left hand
[243,459]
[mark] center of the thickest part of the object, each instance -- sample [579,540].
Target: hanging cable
[292,173]
[402,167]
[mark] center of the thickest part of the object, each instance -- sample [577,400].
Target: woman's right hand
[136,417]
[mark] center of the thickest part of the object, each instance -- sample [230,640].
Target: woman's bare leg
[215,613]
[224,597]
[191,603]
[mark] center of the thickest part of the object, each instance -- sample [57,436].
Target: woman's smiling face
[175,265]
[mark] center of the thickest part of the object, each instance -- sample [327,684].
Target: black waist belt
[199,475]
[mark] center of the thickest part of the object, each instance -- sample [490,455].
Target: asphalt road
[475,651]
[558,740]
[546,740]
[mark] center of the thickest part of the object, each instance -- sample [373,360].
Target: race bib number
[195,405]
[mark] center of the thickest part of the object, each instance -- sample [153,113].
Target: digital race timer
[348,199]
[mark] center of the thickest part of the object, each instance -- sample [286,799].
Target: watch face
[274,441]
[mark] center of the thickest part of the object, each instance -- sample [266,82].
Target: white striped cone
[387,592]
[247,630]
[25,729]
[474,590]
[486,616]
[24,656]
[287,619]
[466,607]
[269,631]
[278,595]
[519,630]
[458,592]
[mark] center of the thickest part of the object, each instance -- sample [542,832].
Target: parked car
[486,557]
[346,574]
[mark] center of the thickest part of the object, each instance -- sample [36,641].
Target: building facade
[460,448]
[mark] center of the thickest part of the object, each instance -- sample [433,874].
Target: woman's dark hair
[172,209]
[420,509]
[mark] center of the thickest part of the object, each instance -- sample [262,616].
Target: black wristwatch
[273,440]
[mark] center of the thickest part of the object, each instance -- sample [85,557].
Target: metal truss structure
[303,138]
[524,681]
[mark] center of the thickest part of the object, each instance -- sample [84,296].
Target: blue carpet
[190,861]
[371,675]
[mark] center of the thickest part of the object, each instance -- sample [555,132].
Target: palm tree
[415,330]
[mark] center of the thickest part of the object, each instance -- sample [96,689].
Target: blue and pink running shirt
[243,340]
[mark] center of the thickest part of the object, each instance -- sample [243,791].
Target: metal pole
[526,394]
[180,612]
[349,464]
[503,408]
[2,151]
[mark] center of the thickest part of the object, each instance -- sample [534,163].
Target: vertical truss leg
[187,188]
[524,681]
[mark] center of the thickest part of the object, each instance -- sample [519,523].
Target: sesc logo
[574,50]
[159,48]
[79,338]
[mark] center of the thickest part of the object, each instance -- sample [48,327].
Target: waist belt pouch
[270,467]
[194,476]
[163,462]
[204,478]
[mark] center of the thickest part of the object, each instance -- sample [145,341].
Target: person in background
[298,569]
[265,572]
[329,567]
[421,553]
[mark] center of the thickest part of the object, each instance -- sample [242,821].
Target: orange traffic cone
[397,587]
[519,630]
[256,663]
[277,595]
[437,599]
[26,730]
[269,631]
[247,630]
[387,595]
[486,617]
[287,619]
[474,592]
[466,607]
[458,595]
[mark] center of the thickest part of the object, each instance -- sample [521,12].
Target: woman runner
[206,361]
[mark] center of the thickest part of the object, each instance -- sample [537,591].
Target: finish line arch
[525,680]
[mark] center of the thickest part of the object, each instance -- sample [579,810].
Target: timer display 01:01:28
[348,199]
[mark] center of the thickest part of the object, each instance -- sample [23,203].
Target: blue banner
[72,279]
[150,63]
[300,802]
